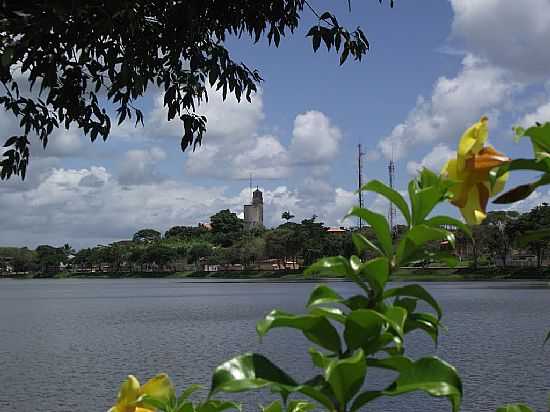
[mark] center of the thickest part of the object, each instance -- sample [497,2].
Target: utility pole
[360,155]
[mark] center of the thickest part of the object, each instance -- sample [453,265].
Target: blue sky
[434,68]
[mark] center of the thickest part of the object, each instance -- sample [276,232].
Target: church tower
[254,213]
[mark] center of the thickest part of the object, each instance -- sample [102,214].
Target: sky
[434,68]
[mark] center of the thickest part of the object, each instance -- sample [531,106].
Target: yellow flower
[159,387]
[470,169]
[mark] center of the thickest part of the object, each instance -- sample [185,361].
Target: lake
[65,345]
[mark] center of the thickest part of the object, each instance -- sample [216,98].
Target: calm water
[66,345]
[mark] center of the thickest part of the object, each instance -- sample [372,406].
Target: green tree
[22,259]
[89,56]
[227,228]
[198,251]
[312,234]
[276,243]
[50,257]
[147,236]
[68,250]
[186,233]
[494,234]
[535,221]
[287,216]
[159,255]
[251,250]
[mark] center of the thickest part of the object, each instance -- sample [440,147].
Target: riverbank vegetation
[223,249]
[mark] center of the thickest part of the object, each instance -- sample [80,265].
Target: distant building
[337,230]
[254,213]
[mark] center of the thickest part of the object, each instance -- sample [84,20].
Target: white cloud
[315,142]
[314,139]
[478,89]
[89,206]
[511,34]
[433,160]
[62,143]
[541,115]
[139,166]
[330,204]
[373,155]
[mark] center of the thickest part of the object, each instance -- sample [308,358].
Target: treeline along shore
[224,248]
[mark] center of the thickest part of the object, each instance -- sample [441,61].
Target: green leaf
[362,244]
[398,316]
[185,407]
[417,237]
[516,194]
[323,294]
[318,389]
[150,401]
[431,375]
[376,272]
[379,225]
[425,201]
[293,406]
[330,313]
[515,407]
[274,406]
[346,376]
[249,371]
[540,165]
[300,406]
[336,265]
[438,221]
[363,399]
[213,405]
[409,304]
[319,359]
[424,321]
[357,302]
[540,137]
[316,328]
[392,195]
[188,392]
[415,291]
[362,327]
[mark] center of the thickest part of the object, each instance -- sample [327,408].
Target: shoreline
[438,275]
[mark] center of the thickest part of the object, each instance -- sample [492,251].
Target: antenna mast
[360,155]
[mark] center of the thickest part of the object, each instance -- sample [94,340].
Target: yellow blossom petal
[450,169]
[159,387]
[127,395]
[472,211]
[473,139]
[499,184]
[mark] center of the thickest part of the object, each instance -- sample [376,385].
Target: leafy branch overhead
[85,59]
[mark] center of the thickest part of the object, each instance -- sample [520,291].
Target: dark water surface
[65,345]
